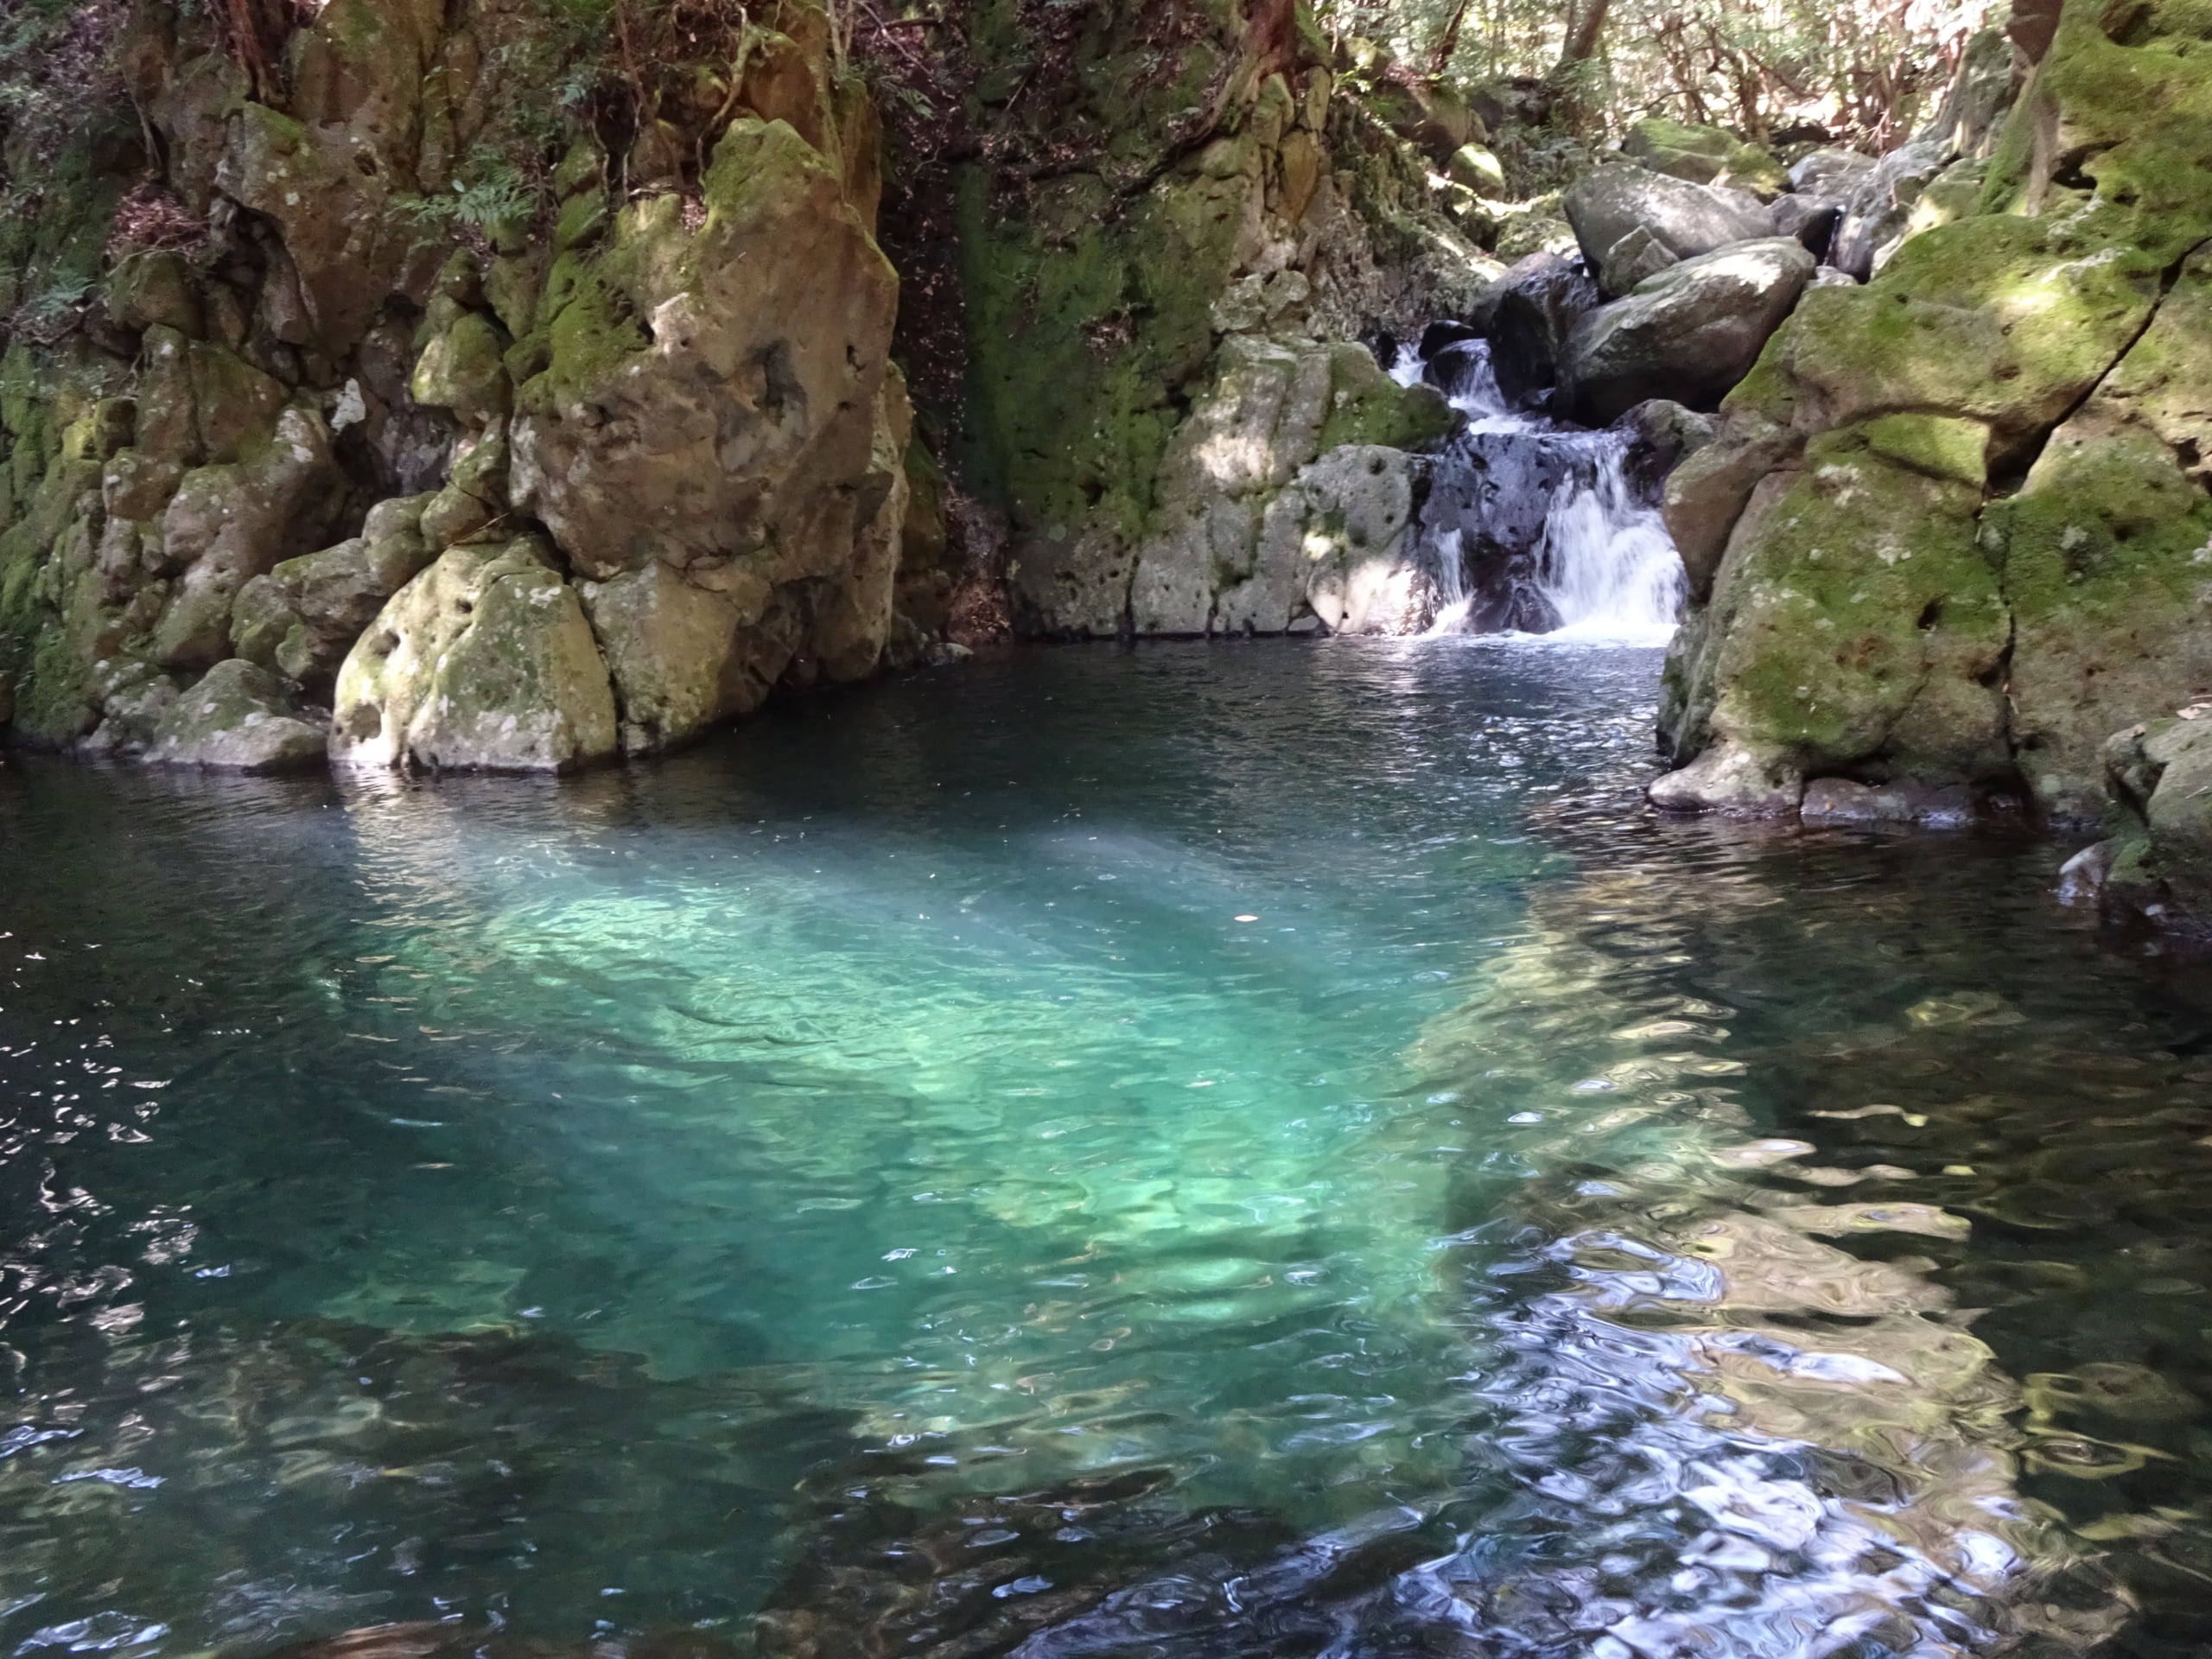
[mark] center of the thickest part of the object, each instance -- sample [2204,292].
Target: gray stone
[239,717]
[1605,206]
[1688,334]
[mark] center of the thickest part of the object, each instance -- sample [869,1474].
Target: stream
[1200,1150]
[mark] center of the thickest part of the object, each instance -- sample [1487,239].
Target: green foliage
[1860,70]
[500,194]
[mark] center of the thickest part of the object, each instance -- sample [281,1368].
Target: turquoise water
[1262,1149]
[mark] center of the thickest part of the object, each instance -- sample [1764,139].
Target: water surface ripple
[1202,1151]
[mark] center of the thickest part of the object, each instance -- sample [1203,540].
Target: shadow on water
[1183,1153]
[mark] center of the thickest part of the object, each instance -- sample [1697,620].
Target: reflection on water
[1191,1152]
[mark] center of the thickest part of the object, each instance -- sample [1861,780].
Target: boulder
[2103,561]
[713,391]
[1874,221]
[303,617]
[1854,626]
[484,661]
[683,658]
[2161,777]
[239,717]
[1608,206]
[1703,156]
[1811,220]
[1205,564]
[1661,435]
[1831,173]
[1688,334]
[1537,305]
[229,524]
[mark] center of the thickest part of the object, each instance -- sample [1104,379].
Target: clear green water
[1201,1151]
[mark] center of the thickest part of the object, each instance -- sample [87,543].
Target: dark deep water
[1246,1150]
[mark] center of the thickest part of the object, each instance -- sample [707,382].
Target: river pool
[1194,1151]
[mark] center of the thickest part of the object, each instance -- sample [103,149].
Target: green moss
[1367,406]
[1940,447]
[1857,628]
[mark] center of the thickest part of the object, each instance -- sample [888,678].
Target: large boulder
[239,717]
[1688,334]
[1532,314]
[1703,156]
[712,389]
[2103,557]
[230,523]
[484,661]
[1630,221]
[1880,206]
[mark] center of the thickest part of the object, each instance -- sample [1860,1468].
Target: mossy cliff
[305,328]
[1161,180]
[1954,534]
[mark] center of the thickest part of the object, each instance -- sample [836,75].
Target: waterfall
[1535,529]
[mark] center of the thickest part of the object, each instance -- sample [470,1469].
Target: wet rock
[1444,333]
[1258,457]
[2161,777]
[484,661]
[1690,332]
[1662,434]
[1537,306]
[1731,779]
[1703,156]
[1609,206]
[239,717]
[1842,801]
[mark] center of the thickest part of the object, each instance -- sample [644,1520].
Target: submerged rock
[484,661]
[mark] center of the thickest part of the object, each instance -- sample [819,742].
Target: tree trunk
[1448,43]
[1582,37]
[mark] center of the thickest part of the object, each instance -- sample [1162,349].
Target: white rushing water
[1604,564]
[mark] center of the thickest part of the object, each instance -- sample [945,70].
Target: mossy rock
[1855,626]
[1703,156]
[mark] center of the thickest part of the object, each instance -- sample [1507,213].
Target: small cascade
[1539,528]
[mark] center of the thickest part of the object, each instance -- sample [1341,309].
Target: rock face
[1632,223]
[1288,473]
[484,661]
[1952,532]
[1116,309]
[1688,334]
[665,424]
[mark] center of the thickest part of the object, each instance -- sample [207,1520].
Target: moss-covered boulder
[486,662]
[718,396]
[1996,446]
[1703,156]
[1855,627]
[1274,408]
[301,618]
[240,718]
